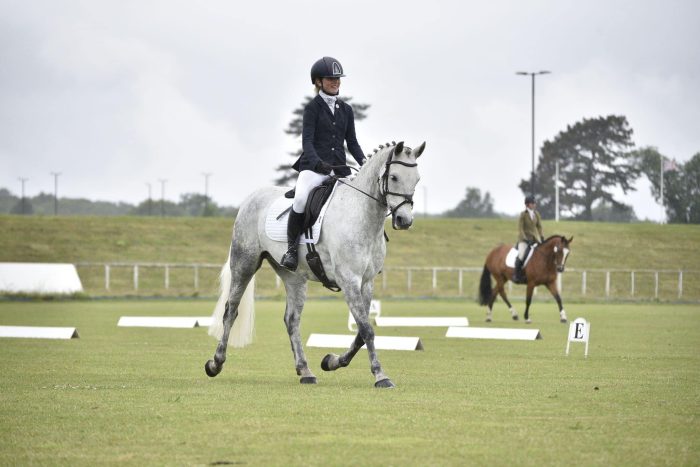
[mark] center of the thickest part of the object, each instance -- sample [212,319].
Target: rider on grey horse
[328,122]
[529,233]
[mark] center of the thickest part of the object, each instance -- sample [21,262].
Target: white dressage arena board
[375,310]
[396,321]
[158,322]
[37,332]
[39,278]
[494,333]
[343,341]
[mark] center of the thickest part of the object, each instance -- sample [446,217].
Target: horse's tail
[485,287]
[242,331]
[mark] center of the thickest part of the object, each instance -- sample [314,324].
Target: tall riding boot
[290,260]
[518,276]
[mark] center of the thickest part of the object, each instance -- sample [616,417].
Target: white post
[607,283]
[106,276]
[680,284]
[384,273]
[559,282]
[136,276]
[556,191]
[196,277]
[167,276]
[434,279]
[656,284]
[278,282]
[460,281]
[583,283]
[408,280]
[632,283]
[661,184]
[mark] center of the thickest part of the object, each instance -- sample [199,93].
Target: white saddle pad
[276,229]
[513,253]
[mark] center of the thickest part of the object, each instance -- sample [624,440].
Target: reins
[383,184]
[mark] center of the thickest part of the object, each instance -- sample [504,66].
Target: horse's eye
[394,178]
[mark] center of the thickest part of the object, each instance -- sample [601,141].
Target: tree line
[190,204]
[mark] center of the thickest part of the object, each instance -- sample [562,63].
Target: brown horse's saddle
[513,254]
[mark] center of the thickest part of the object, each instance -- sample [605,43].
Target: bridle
[383,182]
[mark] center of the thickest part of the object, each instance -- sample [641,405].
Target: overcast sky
[118,94]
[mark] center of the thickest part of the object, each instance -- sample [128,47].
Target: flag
[670,165]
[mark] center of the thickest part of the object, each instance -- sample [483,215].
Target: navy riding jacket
[323,135]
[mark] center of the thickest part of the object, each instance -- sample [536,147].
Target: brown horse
[547,260]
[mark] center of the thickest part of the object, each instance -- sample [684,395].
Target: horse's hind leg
[502,293]
[243,268]
[296,295]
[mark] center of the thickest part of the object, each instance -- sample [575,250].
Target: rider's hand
[541,239]
[323,167]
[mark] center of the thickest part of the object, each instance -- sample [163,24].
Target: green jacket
[529,230]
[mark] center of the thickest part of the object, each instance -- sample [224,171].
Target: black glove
[541,239]
[362,161]
[323,167]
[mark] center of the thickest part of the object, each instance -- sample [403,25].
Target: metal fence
[185,279]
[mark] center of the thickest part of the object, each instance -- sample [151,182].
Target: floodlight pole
[162,196]
[55,192]
[206,192]
[150,209]
[533,74]
[22,201]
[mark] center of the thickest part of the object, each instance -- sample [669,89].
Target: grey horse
[352,247]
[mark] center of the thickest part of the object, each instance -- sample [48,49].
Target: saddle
[317,198]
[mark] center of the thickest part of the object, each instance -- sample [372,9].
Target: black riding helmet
[326,67]
[529,199]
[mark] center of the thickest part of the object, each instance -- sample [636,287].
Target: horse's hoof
[384,383]
[488,320]
[324,363]
[308,380]
[528,321]
[563,320]
[211,369]
[515,318]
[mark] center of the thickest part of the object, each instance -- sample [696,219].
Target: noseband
[384,184]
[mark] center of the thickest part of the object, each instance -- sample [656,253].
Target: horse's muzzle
[561,268]
[401,222]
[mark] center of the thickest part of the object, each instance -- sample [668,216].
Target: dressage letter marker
[579,331]
[494,333]
[340,341]
[158,322]
[395,321]
[37,332]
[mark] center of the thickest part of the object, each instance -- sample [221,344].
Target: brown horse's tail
[485,287]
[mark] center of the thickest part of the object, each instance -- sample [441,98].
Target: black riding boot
[290,260]
[518,276]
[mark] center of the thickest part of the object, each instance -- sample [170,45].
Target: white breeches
[308,179]
[522,248]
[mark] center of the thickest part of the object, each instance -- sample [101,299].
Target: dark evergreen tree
[286,175]
[473,205]
[594,158]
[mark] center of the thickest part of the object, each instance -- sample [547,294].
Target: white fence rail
[437,281]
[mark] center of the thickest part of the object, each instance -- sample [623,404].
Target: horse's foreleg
[552,286]
[528,300]
[296,295]
[332,362]
[502,293]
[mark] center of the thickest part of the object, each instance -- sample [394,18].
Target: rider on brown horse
[529,233]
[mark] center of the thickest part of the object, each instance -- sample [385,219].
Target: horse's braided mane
[382,147]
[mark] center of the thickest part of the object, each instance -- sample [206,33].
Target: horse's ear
[399,148]
[419,150]
[571,239]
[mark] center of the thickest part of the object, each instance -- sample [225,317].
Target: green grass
[140,396]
